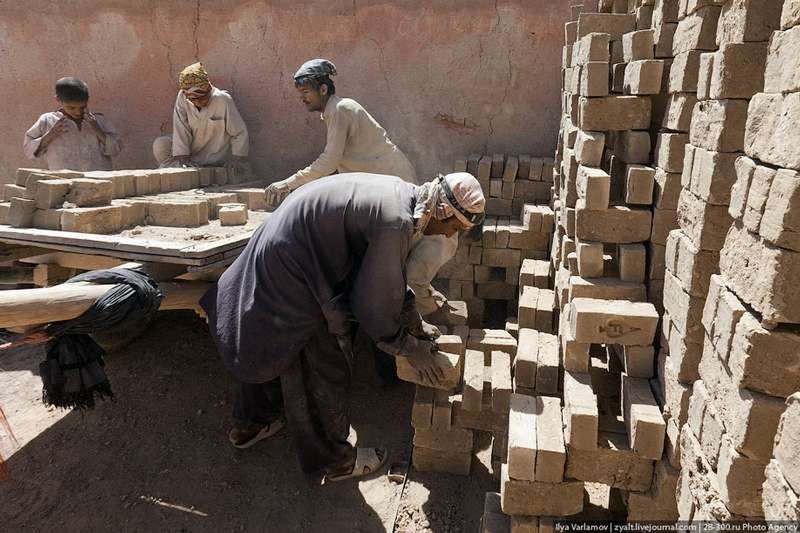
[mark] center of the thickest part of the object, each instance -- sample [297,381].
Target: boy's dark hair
[318,82]
[72,90]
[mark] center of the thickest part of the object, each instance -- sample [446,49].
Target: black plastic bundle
[72,374]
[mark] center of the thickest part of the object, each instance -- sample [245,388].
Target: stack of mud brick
[106,202]
[446,421]
[782,483]
[739,209]
[485,273]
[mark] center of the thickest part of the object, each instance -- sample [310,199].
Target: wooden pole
[26,307]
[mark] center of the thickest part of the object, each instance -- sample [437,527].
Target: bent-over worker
[207,129]
[72,137]
[330,259]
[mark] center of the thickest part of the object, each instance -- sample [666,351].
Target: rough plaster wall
[444,77]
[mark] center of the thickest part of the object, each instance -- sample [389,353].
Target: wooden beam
[25,307]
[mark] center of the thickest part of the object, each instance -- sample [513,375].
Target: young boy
[72,138]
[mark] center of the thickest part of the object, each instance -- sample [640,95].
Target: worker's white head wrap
[458,194]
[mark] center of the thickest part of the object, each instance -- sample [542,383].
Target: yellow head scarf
[193,76]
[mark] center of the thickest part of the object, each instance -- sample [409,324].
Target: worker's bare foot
[245,435]
[362,462]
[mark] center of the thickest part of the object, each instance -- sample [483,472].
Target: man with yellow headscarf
[207,129]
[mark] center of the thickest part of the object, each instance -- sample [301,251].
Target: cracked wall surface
[445,78]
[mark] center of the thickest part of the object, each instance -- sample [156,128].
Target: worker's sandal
[368,461]
[244,437]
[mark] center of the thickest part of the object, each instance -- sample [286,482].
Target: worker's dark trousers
[314,395]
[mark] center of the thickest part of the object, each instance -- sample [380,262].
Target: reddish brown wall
[444,77]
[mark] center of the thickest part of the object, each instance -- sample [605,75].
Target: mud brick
[501,237]
[496,187]
[670,152]
[592,47]
[719,125]
[659,502]
[177,213]
[740,481]
[713,175]
[769,135]
[20,212]
[738,70]
[605,289]
[701,411]
[446,440]
[637,45]
[580,412]
[678,115]
[697,485]
[534,498]
[47,219]
[422,408]
[686,349]
[179,179]
[760,275]
[511,168]
[489,232]
[589,147]
[594,79]
[498,162]
[786,443]
[512,276]
[475,254]
[526,361]
[527,307]
[147,183]
[676,394]
[484,169]
[617,224]
[102,220]
[501,381]
[496,290]
[684,73]
[537,169]
[780,222]
[590,259]
[705,73]
[618,77]
[253,197]
[664,221]
[643,77]
[527,274]
[575,354]
[782,63]
[544,310]
[612,321]
[664,36]
[221,176]
[780,500]
[748,21]
[612,463]
[493,519]
[571,32]
[639,180]
[638,361]
[764,361]
[614,113]
[51,193]
[133,213]
[632,146]
[614,25]
[693,267]
[697,31]
[667,189]
[643,419]
[13,191]
[705,224]
[21,177]
[750,418]
[550,450]
[522,447]
[472,391]
[547,364]
[428,460]
[685,310]
[501,258]
[499,206]
[655,261]
[87,192]
[632,259]
[790,16]
[449,363]
[232,214]
[757,197]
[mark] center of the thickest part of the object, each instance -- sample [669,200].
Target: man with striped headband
[330,260]
[207,129]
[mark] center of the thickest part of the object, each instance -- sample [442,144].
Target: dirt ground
[158,459]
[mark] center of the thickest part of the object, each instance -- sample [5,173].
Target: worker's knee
[162,148]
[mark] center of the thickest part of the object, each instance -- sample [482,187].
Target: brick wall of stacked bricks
[485,273]
[678,201]
[105,202]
